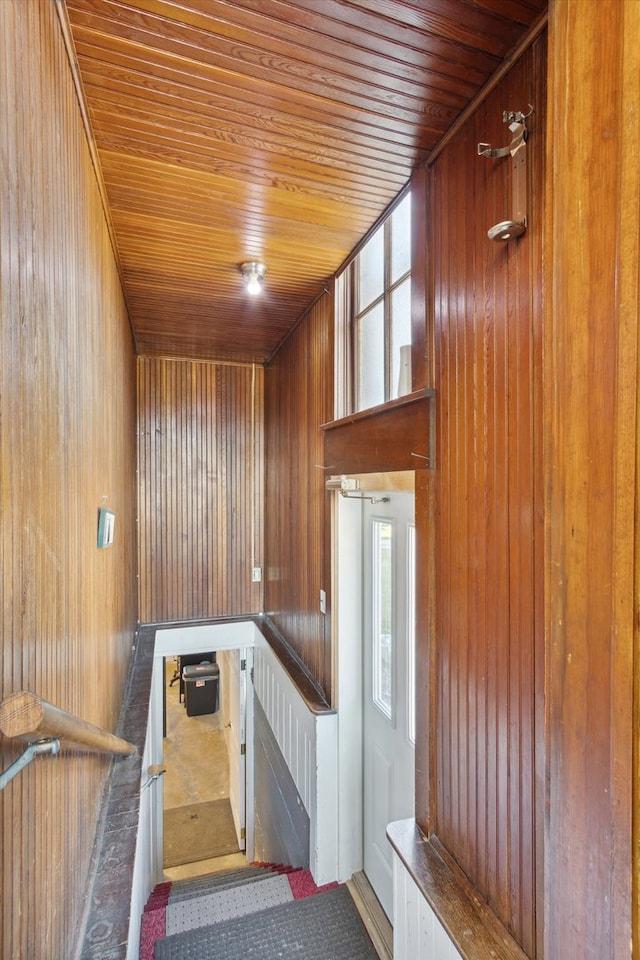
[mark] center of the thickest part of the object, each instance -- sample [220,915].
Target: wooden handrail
[26,716]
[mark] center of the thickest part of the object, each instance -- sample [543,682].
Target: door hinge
[243,749]
[243,664]
[243,833]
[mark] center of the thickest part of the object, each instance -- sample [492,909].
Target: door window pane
[381,620]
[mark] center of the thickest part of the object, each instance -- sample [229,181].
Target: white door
[388,714]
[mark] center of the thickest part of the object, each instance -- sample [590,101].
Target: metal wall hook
[519,131]
[516,116]
[516,226]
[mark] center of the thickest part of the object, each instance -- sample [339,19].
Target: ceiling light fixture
[253,273]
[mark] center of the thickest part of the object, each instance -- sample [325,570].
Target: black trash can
[201,688]
[186,658]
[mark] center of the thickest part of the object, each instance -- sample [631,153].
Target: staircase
[258,912]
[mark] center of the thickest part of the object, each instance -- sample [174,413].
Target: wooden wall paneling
[200,451]
[426,517]
[67,447]
[393,437]
[298,400]
[591,421]
[425,690]
[487,324]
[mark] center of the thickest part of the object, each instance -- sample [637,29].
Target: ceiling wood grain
[272,130]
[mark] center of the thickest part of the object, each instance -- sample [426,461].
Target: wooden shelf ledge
[469,922]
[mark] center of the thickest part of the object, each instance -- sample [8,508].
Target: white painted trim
[249,761]
[308,743]
[347,605]
[201,638]
[156,757]
[418,934]
[171,641]
[145,867]
[347,598]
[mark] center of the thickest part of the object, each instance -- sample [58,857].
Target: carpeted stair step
[225,904]
[237,889]
[216,875]
[276,867]
[314,928]
[158,898]
[186,893]
[187,889]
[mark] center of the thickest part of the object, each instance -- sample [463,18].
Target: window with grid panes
[379,304]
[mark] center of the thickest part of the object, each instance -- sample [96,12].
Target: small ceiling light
[253,273]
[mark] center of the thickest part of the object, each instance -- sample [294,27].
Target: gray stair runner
[187,889]
[227,902]
[322,927]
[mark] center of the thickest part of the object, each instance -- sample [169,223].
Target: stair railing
[27,717]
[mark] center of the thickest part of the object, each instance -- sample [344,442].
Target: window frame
[350,291]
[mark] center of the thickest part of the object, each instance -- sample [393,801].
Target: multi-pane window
[380,285]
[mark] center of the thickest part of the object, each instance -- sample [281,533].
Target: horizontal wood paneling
[298,399]
[67,447]
[200,461]
[591,480]
[276,131]
[488,558]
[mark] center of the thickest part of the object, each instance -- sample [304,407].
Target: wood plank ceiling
[270,130]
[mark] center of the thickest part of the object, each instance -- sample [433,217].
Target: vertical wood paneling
[488,631]
[298,399]
[591,444]
[67,447]
[200,461]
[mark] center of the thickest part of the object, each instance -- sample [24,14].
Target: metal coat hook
[510,229]
[509,116]
[516,120]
